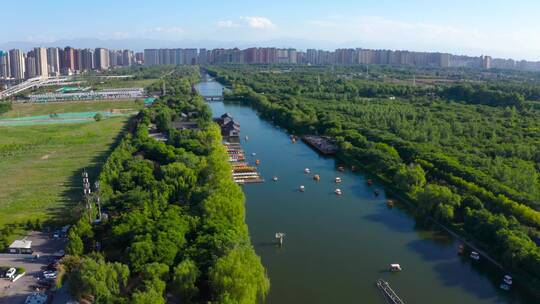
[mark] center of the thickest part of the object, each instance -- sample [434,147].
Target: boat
[338,180]
[390,203]
[341,168]
[253,154]
[317,177]
[302,188]
[507,279]
[338,191]
[370,182]
[257,162]
[247,138]
[307,171]
[395,267]
[275,178]
[504,286]
[353,168]
[376,192]
[475,256]
[293,140]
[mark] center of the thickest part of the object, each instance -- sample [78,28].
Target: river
[336,247]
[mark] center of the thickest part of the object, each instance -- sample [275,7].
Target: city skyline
[457,27]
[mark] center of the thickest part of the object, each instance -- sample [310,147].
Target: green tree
[410,178]
[185,278]
[238,277]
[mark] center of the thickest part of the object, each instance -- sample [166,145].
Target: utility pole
[87,191]
[96,185]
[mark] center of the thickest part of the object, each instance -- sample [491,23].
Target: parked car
[11,273]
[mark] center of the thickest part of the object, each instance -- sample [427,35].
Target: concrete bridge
[213,98]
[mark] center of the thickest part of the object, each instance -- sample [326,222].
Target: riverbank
[350,238]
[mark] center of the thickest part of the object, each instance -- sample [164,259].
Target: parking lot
[45,247]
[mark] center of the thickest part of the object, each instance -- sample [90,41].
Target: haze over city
[253,152]
[498,28]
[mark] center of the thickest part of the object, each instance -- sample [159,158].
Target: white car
[11,273]
[49,274]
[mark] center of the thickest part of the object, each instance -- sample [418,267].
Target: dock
[322,144]
[242,172]
[388,293]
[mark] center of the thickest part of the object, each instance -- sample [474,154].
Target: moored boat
[338,191]
[475,256]
[338,180]
[317,177]
[307,171]
[302,188]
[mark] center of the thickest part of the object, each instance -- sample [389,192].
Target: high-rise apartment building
[101,56]
[127,58]
[17,64]
[69,60]
[151,57]
[42,68]
[87,59]
[30,63]
[53,61]
[5,71]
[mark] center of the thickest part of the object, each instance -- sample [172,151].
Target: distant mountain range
[140,44]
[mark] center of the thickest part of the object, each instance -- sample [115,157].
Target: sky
[504,29]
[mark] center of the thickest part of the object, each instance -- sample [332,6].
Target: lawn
[40,167]
[31,109]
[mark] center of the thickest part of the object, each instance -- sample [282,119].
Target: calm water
[337,247]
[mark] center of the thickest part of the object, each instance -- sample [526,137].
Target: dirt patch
[119,111]
[45,157]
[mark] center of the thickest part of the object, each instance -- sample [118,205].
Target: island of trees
[465,153]
[175,227]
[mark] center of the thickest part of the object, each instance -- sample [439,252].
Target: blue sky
[496,27]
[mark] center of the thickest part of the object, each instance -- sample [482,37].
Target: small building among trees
[23,246]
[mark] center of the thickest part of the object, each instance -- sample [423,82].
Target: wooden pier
[242,172]
[388,293]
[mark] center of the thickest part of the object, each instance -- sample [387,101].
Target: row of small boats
[507,279]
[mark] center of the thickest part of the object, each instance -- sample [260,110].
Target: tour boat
[341,169]
[293,140]
[461,249]
[317,177]
[338,191]
[275,178]
[257,162]
[390,203]
[253,154]
[475,256]
[247,138]
[338,180]
[307,171]
[395,267]
[507,279]
[504,286]
[376,192]
[370,182]
[353,168]
[302,188]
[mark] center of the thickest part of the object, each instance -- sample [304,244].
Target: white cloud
[165,30]
[226,24]
[258,22]
[248,22]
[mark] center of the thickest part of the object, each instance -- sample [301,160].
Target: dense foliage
[472,165]
[4,107]
[177,220]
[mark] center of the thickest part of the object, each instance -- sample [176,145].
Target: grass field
[28,109]
[40,166]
